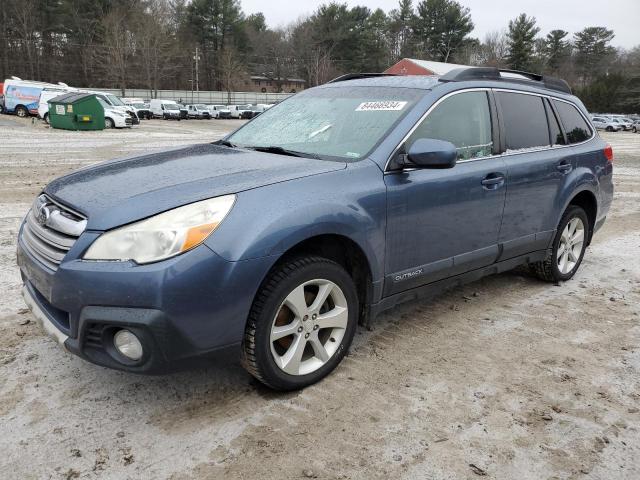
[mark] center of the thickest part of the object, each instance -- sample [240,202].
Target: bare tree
[118,47]
[231,70]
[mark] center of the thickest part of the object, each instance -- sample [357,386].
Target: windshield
[170,106]
[345,122]
[139,105]
[104,104]
[204,107]
[115,100]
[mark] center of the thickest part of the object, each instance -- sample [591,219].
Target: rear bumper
[183,309]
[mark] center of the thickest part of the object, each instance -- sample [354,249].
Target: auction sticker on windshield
[380,106]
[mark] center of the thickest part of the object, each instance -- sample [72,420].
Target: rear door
[537,173]
[445,222]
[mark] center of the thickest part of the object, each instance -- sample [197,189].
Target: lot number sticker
[381,106]
[60,109]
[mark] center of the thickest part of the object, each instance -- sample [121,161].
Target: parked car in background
[22,97]
[635,128]
[605,123]
[1,102]
[198,111]
[114,117]
[623,124]
[220,112]
[236,110]
[46,95]
[143,111]
[253,112]
[115,103]
[166,109]
[341,202]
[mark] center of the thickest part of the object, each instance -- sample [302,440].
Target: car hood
[122,191]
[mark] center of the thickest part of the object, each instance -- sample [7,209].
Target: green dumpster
[76,111]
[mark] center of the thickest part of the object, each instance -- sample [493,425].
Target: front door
[445,222]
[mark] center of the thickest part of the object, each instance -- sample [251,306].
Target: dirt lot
[506,378]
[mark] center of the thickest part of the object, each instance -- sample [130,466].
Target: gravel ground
[505,378]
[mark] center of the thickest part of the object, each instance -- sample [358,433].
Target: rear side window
[525,120]
[557,138]
[575,126]
[463,119]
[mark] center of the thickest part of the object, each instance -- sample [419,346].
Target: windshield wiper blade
[281,151]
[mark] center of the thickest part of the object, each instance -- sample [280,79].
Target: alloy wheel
[309,327]
[570,245]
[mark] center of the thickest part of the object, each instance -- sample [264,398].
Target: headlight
[164,235]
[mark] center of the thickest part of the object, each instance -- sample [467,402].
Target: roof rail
[492,73]
[355,76]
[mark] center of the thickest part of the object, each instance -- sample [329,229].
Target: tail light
[608,152]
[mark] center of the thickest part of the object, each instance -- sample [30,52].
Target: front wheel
[301,323]
[108,123]
[569,245]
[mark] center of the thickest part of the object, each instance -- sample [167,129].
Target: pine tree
[521,37]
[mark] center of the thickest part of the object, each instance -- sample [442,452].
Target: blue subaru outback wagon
[327,209]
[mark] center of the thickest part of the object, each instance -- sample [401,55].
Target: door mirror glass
[432,153]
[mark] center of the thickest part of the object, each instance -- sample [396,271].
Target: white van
[167,109]
[46,95]
[22,97]
[117,104]
[237,110]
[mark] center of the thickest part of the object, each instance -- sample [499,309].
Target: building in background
[412,66]
[258,83]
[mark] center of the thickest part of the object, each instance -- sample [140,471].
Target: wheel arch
[586,200]
[343,250]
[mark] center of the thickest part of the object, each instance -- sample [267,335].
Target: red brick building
[412,66]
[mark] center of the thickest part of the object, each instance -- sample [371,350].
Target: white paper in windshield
[386,105]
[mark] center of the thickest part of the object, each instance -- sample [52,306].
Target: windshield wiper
[282,151]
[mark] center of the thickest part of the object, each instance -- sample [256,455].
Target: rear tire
[22,112]
[609,129]
[46,118]
[569,244]
[301,323]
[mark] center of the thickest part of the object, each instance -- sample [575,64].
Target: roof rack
[492,73]
[355,76]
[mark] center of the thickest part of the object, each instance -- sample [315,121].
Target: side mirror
[432,153]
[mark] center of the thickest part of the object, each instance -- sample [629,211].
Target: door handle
[564,167]
[493,180]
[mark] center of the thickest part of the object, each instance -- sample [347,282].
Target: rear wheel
[301,324]
[46,118]
[569,244]
[609,129]
[22,112]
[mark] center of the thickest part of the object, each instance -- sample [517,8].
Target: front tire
[301,323]
[569,245]
[108,123]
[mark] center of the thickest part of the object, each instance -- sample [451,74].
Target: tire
[46,118]
[634,129]
[320,348]
[108,123]
[553,268]
[609,129]
[22,112]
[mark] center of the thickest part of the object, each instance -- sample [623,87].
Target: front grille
[50,230]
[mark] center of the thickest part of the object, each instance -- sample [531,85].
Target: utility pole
[196,57]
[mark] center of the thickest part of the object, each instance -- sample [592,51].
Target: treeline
[156,44]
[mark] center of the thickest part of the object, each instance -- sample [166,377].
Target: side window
[525,120]
[575,126]
[462,119]
[557,138]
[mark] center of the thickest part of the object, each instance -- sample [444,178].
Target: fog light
[127,344]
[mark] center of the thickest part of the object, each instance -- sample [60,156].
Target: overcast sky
[622,16]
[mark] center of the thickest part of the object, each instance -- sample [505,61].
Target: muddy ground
[506,378]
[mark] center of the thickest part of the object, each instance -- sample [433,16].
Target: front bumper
[182,309]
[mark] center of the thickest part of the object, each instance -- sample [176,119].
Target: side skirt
[435,288]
